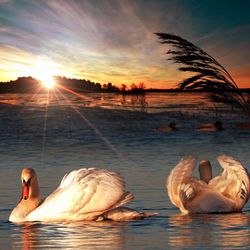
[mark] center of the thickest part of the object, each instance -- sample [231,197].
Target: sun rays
[45,126]
[58,93]
[45,70]
[84,118]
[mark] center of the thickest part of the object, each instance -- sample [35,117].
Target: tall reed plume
[208,74]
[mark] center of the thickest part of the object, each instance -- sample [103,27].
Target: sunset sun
[47,81]
[44,71]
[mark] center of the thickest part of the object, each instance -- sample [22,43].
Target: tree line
[30,84]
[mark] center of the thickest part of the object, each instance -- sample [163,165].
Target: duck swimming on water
[167,128]
[211,127]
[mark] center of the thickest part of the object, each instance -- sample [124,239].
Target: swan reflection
[87,235]
[214,230]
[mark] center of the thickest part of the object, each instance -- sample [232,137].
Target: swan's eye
[26,183]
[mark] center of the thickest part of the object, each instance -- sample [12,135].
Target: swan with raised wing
[227,192]
[84,194]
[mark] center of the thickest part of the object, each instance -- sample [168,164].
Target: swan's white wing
[83,194]
[180,184]
[234,182]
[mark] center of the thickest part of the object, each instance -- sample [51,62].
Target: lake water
[55,134]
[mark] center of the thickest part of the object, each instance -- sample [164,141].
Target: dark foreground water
[109,132]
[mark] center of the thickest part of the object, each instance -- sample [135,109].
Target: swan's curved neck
[205,170]
[30,201]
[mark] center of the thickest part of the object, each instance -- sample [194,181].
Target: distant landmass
[30,84]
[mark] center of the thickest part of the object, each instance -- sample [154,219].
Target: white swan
[225,193]
[84,194]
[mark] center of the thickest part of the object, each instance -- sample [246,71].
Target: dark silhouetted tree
[123,88]
[141,86]
[208,74]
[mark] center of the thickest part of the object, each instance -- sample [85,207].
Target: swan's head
[205,170]
[29,179]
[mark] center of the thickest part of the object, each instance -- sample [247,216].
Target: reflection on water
[136,102]
[84,235]
[150,102]
[213,230]
[29,237]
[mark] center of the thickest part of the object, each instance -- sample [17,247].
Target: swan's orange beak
[25,194]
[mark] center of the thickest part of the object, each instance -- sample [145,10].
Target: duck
[211,127]
[86,194]
[225,193]
[167,128]
[243,125]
